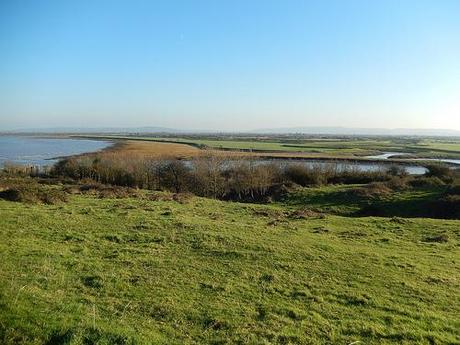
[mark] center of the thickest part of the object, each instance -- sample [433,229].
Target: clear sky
[230,64]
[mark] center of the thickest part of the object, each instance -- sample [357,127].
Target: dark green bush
[424,181]
[454,190]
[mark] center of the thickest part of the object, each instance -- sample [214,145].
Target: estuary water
[347,165]
[36,151]
[388,155]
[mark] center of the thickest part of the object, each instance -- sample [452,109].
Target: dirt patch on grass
[305,213]
[442,238]
[181,198]
[103,191]
[270,213]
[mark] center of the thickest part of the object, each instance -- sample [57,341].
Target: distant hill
[74,130]
[284,130]
[360,131]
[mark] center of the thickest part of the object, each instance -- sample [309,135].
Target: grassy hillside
[154,270]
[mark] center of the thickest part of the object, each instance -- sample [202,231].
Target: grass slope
[134,271]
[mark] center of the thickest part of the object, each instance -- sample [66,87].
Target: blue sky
[230,65]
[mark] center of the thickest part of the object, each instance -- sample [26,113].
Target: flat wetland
[348,148]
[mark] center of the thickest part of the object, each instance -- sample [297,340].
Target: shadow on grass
[337,202]
[431,204]
[413,203]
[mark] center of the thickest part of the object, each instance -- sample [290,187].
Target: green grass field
[136,271]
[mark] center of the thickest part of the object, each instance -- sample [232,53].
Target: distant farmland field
[341,148]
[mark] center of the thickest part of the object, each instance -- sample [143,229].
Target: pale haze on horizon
[236,65]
